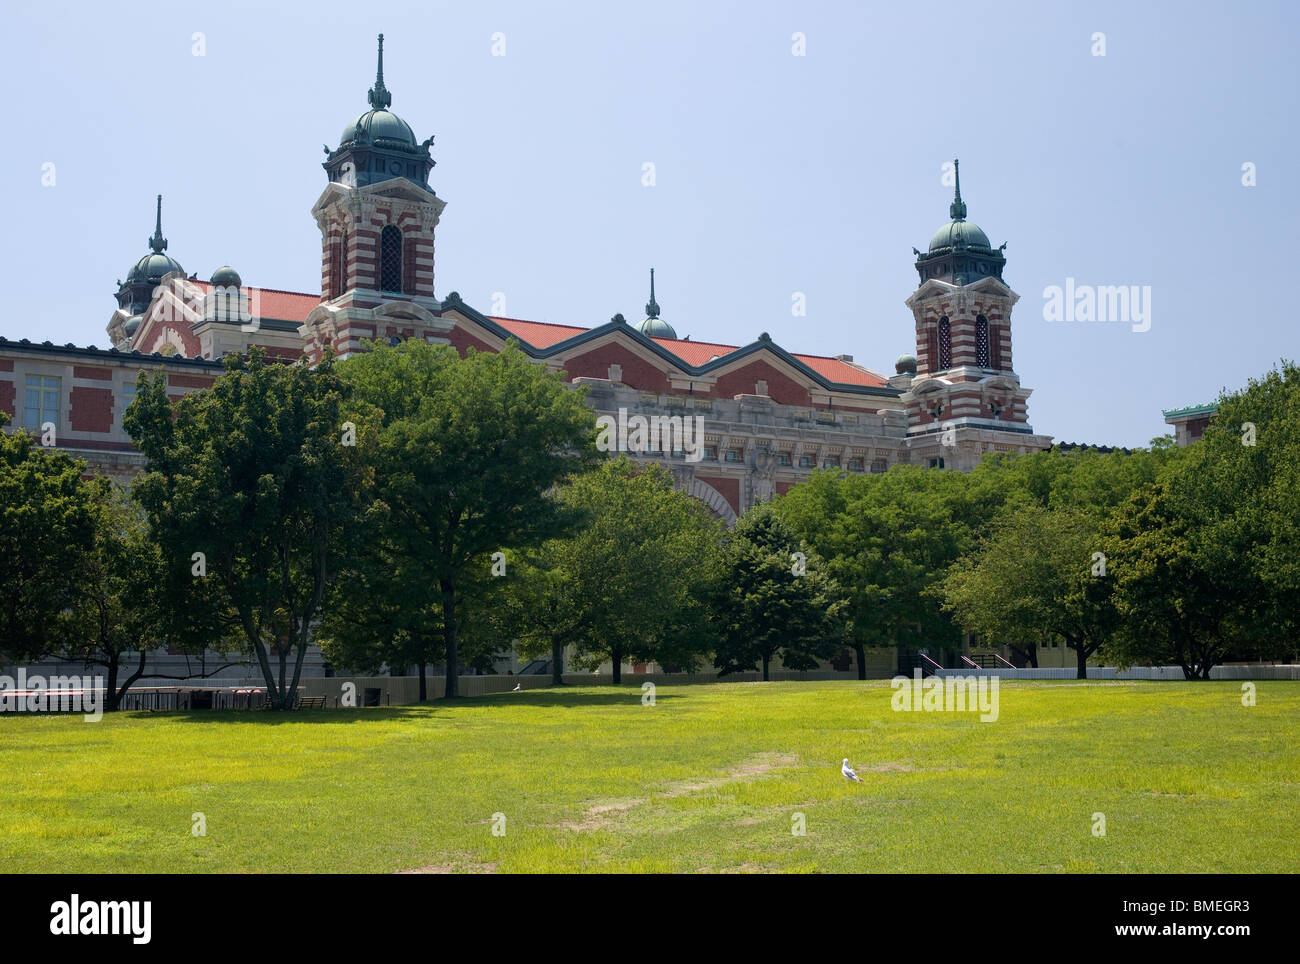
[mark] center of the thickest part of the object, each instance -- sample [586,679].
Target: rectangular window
[855,465]
[830,464]
[878,465]
[734,455]
[40,401]
[807,462]
[710,453]
[783,458]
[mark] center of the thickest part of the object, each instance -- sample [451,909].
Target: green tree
[123,604]
[886,539]
[254,475]
[1036,576]
[374,620]
[774,598]
[1206,558]
[47,518]
[626,583]
[466,454]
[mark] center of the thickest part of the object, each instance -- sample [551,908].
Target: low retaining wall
[1260,672]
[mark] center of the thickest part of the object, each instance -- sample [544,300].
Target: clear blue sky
[775,173]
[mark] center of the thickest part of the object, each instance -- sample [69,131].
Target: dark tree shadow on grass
[567,698]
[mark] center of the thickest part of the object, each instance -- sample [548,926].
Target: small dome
[152,267]
[905,365]
[227,277]
[656,328]
[959,232]
[382,128]
[132,324]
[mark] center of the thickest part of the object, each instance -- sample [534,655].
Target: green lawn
[708,779]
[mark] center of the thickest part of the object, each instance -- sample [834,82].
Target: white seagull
[518,687]
[848,772]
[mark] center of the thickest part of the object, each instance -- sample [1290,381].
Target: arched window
[981,341]
[945,343]
[390,259]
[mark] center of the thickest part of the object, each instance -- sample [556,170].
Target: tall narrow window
[982,341]
[40,401]
[336,269]
[945,344]
[390,259]
[342,278]
[408,267]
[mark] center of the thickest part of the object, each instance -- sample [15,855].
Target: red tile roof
[539,334]
[274,303]
[297,305]
[287,305]
[542,334]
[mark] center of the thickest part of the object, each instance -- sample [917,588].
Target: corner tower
[965,398]
[377,217]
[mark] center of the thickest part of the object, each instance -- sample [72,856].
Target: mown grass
[708,779]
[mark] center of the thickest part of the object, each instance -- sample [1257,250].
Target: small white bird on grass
[848,772]
[518,687]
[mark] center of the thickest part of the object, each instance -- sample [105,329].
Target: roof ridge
[527,321]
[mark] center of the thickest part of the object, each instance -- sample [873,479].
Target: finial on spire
[379,98]
[957,210]
[652,309]
[158,244]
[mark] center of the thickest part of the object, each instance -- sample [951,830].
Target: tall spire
[957,210]
[652,309]
[158,244]
[379,98]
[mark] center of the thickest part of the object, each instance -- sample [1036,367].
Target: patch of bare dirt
[605,814]
[601,816]
[467,868]
[756,766]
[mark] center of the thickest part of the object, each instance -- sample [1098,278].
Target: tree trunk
[557,663]
[861,652]
[617,658]
[1081,651]
[110,687]
[449,635]
[303,641]
[120,694]
[766,660]
[281,700]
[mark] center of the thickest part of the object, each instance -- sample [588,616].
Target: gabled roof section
[690,357]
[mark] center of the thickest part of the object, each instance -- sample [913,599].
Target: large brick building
[771,415]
